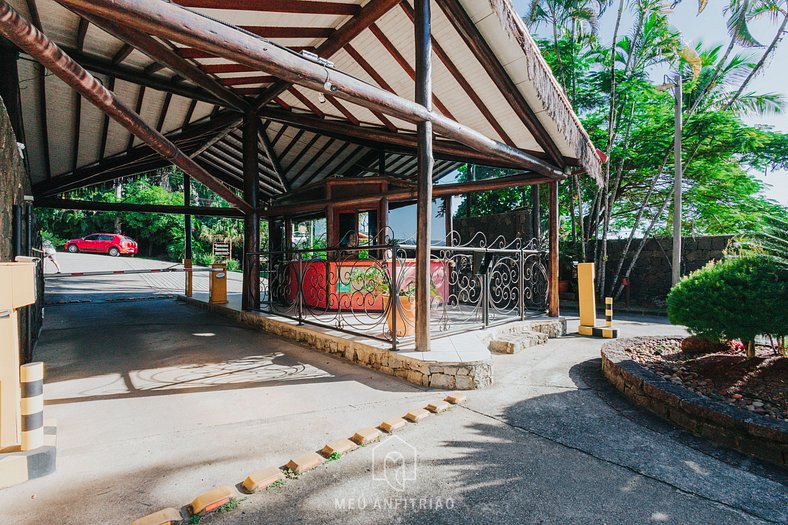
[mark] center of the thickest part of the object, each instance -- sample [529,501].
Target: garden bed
[758,384]
[724,397]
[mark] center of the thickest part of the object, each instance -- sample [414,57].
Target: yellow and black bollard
[587,305]
[31,378]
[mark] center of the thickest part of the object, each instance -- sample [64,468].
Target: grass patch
[333,457]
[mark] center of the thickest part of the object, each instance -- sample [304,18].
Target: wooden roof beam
[180,25]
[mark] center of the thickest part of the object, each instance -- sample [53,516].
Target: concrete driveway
[157,402]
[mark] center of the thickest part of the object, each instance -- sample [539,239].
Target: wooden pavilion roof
[488,75]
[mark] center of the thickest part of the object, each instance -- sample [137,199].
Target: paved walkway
[158,401]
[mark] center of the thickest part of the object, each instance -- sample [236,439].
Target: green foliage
[158,235]
[739,298]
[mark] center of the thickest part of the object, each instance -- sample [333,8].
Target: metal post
[552,308]
[425,165]
[677,183]
[187,235]
[521,284]
[29,230]
[394,295]
[187,219]
[251,267]
[536,215]
[17,226]
[448,219]
[300,289]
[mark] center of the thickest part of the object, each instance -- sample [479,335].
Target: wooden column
[425,165]
[383,220]
[251,263]
[552,307]
[187,219]
[448,218]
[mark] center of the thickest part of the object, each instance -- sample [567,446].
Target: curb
[752,434]
[224,498]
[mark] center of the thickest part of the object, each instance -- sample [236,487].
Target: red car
[110,243]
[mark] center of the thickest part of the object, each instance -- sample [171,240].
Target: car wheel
[113,252]
[73,248]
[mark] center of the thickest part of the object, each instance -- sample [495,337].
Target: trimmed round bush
[738,298]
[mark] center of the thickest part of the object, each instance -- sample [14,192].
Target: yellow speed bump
[366,435]
[262,479]
[438,407]
[414,416]
[305,462]
[456,400]
[211,500]
[163,517]
[342,446]
[392,425]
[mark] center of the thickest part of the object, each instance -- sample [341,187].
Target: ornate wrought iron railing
[369,290]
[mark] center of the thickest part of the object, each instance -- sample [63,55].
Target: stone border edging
[470,375]
[753,434]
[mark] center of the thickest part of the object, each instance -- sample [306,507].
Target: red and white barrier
[128,272]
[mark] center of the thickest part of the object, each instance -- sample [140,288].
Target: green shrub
[739,298]
[232,264]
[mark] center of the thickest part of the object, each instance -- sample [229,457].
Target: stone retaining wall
[447,376]
[14,182]
[753,434]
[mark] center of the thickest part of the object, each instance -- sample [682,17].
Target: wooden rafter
[105,123]
[42,87]
[340,37]
[189,113]
[317,155]
[268,149]
[301,153]
[82,32]
[164,55]
[278,135]
[277,6]
[342,109]
[484,54]
[328,161]
[122,54]
[311,106]
[290,145]
[242,81]
[449,64]
[163,113]
[402,61]
[137,109]
[191,52]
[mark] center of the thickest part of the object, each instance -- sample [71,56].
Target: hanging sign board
[222,249]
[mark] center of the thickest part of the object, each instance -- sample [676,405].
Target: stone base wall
[513,225]
[733,427]
[651,277]
[448,376]
[14,183]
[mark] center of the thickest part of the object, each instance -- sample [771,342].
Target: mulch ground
[758,384]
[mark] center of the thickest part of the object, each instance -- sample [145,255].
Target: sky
[708,27]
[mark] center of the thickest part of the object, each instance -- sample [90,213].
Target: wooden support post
[251,263]
[552,297]
[187,234]
[383,225]
[425,165]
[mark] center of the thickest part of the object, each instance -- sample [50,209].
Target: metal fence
[370,290]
